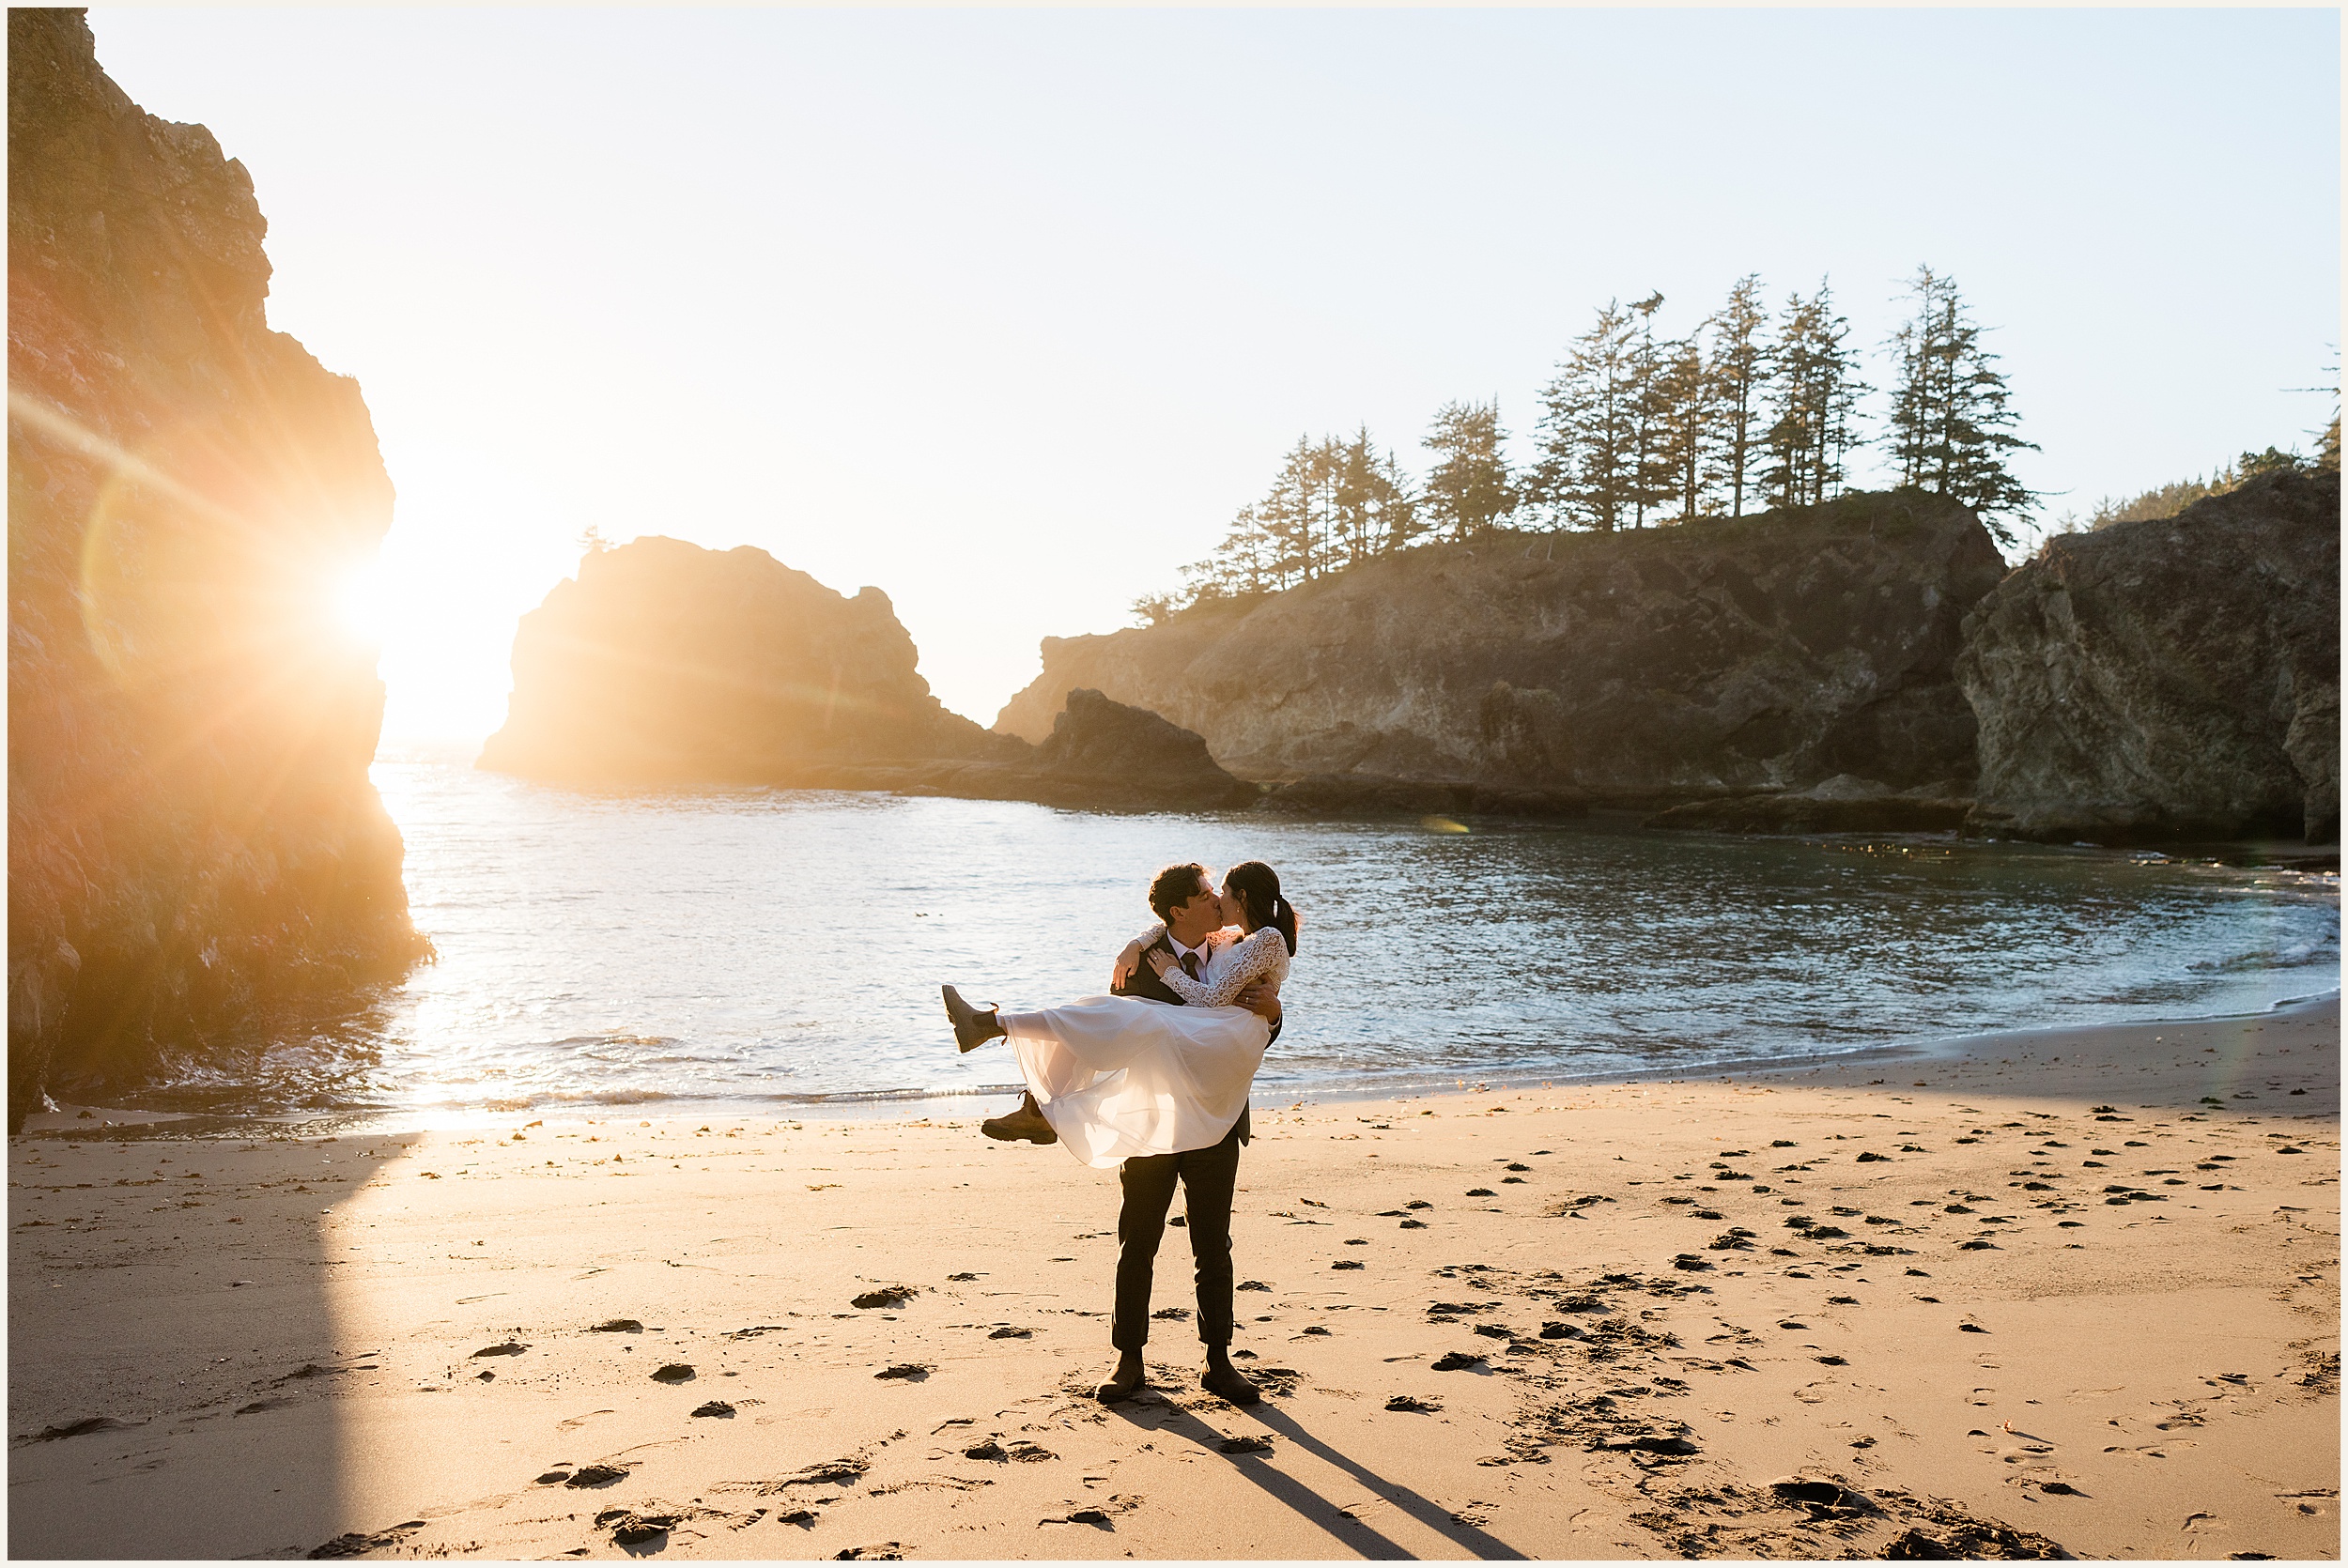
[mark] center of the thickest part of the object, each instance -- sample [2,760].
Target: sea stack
[664,663]
[2173,678]
[194,843]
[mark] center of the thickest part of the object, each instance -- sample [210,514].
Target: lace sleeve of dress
[1252,963]
[1151,935]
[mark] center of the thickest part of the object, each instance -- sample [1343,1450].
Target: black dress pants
[1208,1176]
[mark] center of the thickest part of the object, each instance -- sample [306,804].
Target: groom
[1182,897]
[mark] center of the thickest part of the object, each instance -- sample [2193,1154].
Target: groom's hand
[1261,1000]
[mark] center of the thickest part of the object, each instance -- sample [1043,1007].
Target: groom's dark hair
[1175,886]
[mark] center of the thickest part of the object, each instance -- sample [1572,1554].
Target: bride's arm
[1129,960]
[1251,966]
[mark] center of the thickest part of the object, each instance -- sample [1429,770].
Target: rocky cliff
[195,849]
[2169,678]
[1768,653]
[663,662]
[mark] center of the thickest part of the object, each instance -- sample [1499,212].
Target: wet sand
[2073,1290]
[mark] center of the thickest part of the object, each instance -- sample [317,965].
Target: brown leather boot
[1027,1122]
[1222,1378]
[973,1026]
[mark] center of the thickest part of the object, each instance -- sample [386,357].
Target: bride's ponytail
[1284,920]
[1259,888]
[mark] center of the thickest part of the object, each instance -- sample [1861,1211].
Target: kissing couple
[1153,1079]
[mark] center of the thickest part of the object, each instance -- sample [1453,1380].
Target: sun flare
[361,601]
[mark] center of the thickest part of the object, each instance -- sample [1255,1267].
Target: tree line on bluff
[1742,414]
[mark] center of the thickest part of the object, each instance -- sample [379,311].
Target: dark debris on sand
[359,1542]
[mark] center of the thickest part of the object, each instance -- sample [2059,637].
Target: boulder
[1709,658]
[662,662]
[2173,678]
[1108,755]
[194,847]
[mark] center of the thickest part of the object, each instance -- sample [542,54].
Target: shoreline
[1655,1302]
[882,1105]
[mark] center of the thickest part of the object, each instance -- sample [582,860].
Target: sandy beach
[2071,1292]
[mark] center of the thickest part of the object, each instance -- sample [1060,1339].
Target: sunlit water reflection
[754,948]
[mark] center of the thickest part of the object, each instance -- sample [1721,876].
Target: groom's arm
[1263,1000]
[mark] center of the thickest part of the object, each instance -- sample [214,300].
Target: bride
[1116,1077]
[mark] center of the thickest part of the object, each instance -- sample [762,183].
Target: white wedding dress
[1122,1076]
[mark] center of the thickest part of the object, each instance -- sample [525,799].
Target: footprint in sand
[598,1475]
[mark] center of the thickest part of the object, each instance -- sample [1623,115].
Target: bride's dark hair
[1259,889]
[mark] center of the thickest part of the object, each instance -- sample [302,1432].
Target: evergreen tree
[1688,429]
[1357,493]
[1586,474]
[1952,425]
[1397,507]
[1738,371]
[1651,476]
[1470,487]
[1293,515]
[1813,399]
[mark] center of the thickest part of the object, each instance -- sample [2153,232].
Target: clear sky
[1008,312]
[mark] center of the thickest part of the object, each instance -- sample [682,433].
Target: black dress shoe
[1227,1381]
[1118,1388]
[972,1028]
[1027,1122]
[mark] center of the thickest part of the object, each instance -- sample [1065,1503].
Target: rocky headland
[1543,672]
[194,847]
[2173,678]
[1865,665]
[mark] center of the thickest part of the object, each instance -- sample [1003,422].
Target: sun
[362,602]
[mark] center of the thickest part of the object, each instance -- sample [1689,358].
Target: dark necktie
[1190,964]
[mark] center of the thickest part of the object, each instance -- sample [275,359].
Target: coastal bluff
[2171,678]
[662,662]
[1709,659]
[195,848]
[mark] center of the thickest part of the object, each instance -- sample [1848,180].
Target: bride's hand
[1159,961]
[1127,962]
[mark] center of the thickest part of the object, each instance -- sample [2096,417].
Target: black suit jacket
[1144,982]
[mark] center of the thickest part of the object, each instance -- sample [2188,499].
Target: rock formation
[195,849]
[1694,661]
[1106,756]
[663,662]
[2170,678]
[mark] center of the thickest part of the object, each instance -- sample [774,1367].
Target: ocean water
[750,950]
